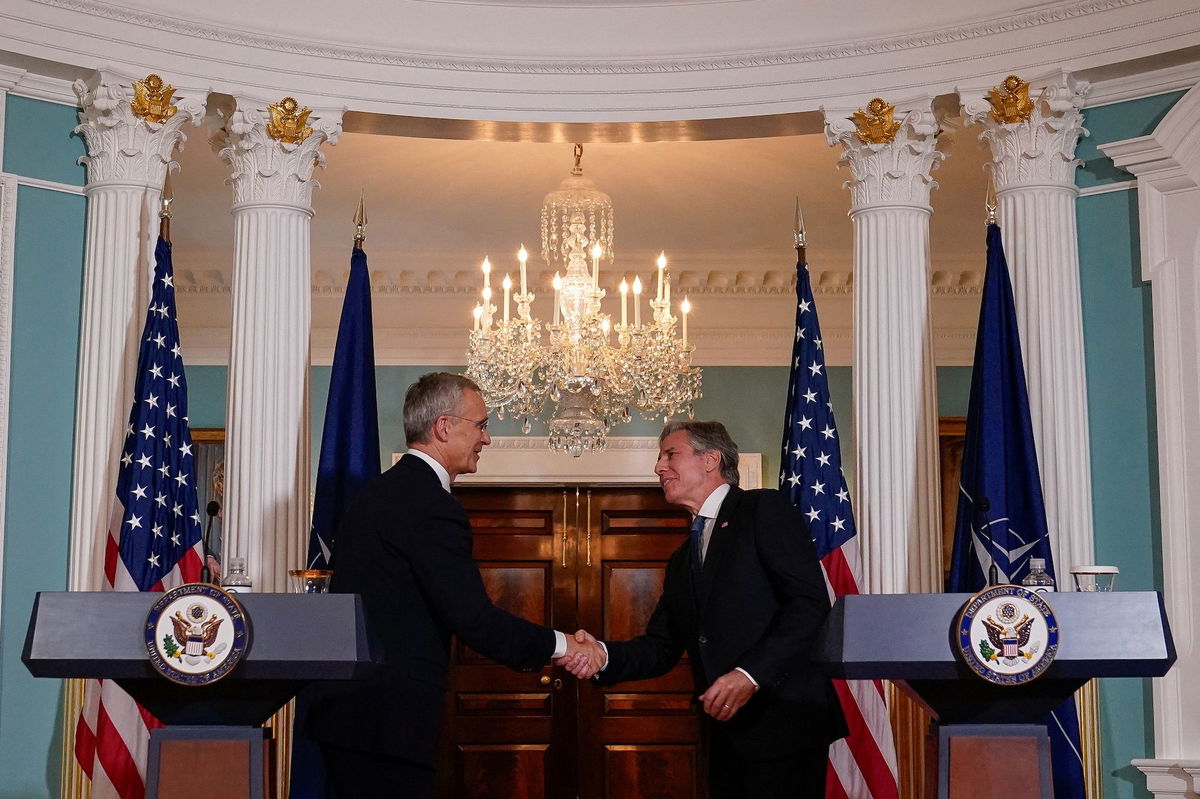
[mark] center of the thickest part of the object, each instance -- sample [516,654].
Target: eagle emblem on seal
[194,632]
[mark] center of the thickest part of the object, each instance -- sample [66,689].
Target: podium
[907,638]
[295,639]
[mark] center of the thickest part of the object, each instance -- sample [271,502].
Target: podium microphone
[982,505]
[212,510]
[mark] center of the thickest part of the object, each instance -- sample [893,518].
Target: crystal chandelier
[594,372]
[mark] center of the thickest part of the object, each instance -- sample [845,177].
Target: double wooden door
[570,558]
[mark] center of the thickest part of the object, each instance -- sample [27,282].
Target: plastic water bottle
[1038,580]
[237,581]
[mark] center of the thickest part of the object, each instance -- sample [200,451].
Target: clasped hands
[728,694]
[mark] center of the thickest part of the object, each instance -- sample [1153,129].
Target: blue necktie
[698,540]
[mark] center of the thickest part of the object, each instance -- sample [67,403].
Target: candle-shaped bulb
[637,305]
[507,283]
[637,285]
[487,293]
[662,260]
[597,251]
[487,273]
[477,312]
[662,264]
[684,308]
[557,283]
[624,301]
[522,255]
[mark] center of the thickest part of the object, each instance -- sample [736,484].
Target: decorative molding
[896,172]
[1061,12]
[122,147]
[1037,151]
[49,185]
[1167,166]
[38,87]
[8,229]
[1108,188]
[948,282]
[266,170]
[1170,779]
[1143,84]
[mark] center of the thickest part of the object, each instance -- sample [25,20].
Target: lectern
[906,638]
[295,639]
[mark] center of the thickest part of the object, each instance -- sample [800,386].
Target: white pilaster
[1033,164]
[127,161]
[1167,165]
[895,390]
[267,430]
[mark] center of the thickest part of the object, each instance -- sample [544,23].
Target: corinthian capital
[888,172]
[268,167]
[1041,149]
[126,146]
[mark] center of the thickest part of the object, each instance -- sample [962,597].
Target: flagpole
[360,221]
[798,232]
[164,211]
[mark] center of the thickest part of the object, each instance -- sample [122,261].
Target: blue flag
[350,442]
[1001,516]
[349,460]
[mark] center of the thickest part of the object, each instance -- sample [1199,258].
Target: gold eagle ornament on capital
[289,122]
[1010,101]
[152,99]
[876,125]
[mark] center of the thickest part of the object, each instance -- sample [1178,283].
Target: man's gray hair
[708,437]
[433,395]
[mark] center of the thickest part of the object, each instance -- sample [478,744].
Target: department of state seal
[196,633]
[1007,634]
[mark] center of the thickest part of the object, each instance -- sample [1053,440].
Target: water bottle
[237,581]
[1038,580]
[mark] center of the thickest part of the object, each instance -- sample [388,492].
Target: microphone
[212,510]
[982,505]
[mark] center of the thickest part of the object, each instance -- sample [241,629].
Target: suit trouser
[364,775]
[730,776]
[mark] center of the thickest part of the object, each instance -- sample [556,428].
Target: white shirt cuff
[560,644]
[753,681]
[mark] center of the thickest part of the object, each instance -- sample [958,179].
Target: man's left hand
[727,695]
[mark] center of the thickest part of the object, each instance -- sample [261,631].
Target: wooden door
[571,558]
[509,735]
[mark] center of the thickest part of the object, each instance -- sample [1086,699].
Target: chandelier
[594,372]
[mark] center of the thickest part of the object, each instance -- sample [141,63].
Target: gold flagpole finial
[360,220]
[164,210]
[989,203]
[798,228]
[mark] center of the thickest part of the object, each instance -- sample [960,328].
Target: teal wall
[1119,353]
[47,282]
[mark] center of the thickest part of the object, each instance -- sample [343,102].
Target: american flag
[864,764]
[154,534]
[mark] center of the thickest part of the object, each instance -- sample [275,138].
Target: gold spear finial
[798,228]
[989,200]
[164,209]
[360,220]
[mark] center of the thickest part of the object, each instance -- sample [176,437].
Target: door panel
[509,734]
[571,558]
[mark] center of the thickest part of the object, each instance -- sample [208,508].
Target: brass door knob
[545,679]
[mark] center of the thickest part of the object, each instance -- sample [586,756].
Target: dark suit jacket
[405,546]
[758,604]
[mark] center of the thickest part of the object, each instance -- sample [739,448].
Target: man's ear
[712,460]
[441,428]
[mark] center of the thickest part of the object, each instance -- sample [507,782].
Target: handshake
[585,655]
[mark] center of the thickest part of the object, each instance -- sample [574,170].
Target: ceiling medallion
[592,371]
[289,122]
[1010,101]
[152,99]
[875,125]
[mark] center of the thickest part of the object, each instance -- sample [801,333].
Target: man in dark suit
[405,546]
[745,597]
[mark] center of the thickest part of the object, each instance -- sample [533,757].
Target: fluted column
[1033,164]
[895,389]
[267,429]
[127,160]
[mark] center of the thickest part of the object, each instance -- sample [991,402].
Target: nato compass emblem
[196,633]
[1007,634]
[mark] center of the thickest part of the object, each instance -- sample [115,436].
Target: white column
[1033,164]
[1167,166]
[895,390]
[267,428]
[127,162]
